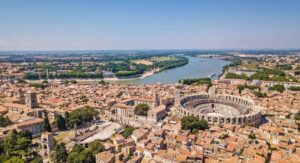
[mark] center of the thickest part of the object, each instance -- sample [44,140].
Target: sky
[149,24]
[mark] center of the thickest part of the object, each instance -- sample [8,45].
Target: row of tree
[277,87]
[294,88]
[231,75]
[197,81]
[246,86]
[17,147]
[80,75]
[169,64]
[78,154]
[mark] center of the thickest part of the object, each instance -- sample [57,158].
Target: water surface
[196,68]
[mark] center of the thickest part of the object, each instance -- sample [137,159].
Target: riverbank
[114,79]
[196,68]
[144,75]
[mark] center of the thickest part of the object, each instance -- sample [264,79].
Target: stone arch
[227,120]
[233,121]
[239,120]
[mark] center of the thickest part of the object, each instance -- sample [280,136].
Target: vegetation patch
[259,94]
[127,131]
[245,86]
[18,147]
[277,87]
[231,75]
[142,109]
[4,121]
[169,64]
[128,73]
[38,85]
[284,67]
[80,116]
[193,124]
[79,154]
[198,81]
[294,88]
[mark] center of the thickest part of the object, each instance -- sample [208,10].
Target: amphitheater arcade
[219,109]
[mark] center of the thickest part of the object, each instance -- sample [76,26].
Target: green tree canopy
[197,81]
[85,155]
[46,125]
[61,122]
[95,147]
[81,116]
[17,145]
[294,88]
[59,153]
[14,160]
[127,131]
[277,87]
[4,121]
[142,109]
[193,123]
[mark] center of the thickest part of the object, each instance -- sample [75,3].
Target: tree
[81,116]
[26,134]
[60,153]
[17,145]
[61,122]
[191,123]
[10,142]
[46,124]
[87,155]
[96,147]
[294,88]
[252,136]
[142,109]
[259,94]
[197,81]
[127,131]
[277,87]
[297,116]
[77,148]
[4,121]
[74,157]
[102,82]
[4,157]
[37,159]
[14,160]
[67,117]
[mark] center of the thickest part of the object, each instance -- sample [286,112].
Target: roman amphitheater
[220,109]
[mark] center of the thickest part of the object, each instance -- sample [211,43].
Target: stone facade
[31,100]
[47,143]
[220,109]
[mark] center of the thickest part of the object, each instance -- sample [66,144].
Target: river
[196,68]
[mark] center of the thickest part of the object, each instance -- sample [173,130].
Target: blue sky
[152,24]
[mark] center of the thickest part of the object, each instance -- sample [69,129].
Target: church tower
[31,100]
[47,143]
[155,100]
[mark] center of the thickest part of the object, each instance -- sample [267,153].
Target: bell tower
[31,100]
[155,100]
[47,143]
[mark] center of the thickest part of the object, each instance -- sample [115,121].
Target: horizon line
[189,49]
